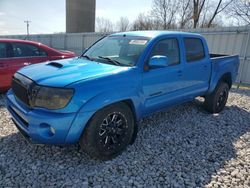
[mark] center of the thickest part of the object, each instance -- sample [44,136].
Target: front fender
[98,102]
[113,96]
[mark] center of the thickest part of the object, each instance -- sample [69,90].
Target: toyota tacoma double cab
[96,99]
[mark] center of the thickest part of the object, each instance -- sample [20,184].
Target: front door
[161,86]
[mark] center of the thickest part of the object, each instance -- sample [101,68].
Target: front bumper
[42,127]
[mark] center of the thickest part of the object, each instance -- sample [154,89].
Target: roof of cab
[152,34]
[19,40]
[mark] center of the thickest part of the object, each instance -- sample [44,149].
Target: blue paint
[97,85]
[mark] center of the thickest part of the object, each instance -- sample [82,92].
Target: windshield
[118,50]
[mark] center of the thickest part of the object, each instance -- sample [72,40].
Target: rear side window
[3,50]
[194,49]
[169,48]
[26,50]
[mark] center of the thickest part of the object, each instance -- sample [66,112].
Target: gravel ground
[181,147]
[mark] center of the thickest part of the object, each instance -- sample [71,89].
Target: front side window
[194,49]
[123,49]
[26,50]
[168,48]
[3,50]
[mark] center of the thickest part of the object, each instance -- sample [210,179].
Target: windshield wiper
[111,60]
[87,57]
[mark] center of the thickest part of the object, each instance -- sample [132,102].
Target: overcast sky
[48,16]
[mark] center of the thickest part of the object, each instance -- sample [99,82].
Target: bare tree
[205,12]
[240,10]
[104,25]
[123,24]
[171,14]
[165,11]
[145,22]
[185,12]
[198,6]
[221,6]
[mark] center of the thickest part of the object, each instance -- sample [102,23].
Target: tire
[108,132]
[216,101]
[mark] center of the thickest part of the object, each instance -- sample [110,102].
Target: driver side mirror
[158,61]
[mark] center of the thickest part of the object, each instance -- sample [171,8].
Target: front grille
[20,85]
[20,92]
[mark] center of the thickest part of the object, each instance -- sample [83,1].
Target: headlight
[50,98]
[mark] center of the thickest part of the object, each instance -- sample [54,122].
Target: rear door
[196,70]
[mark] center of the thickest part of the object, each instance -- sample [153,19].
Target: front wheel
[216,101]
[109,132]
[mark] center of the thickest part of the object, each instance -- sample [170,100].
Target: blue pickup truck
[97,98]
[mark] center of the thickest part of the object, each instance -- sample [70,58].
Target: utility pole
[27,24]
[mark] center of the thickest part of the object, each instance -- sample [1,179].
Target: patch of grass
[241,86]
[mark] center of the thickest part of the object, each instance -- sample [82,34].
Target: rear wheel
[109,132]
[216,101]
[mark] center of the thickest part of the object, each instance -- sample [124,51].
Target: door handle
[26,63]
[155,94]
[205,66]
[179,72]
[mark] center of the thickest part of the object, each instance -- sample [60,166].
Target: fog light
[52,130]
[46,130]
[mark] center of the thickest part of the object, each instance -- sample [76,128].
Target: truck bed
[214,56]
[222,64]
[224,59]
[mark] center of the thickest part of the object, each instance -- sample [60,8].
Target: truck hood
[64,72]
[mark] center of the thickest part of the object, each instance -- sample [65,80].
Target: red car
[15,54]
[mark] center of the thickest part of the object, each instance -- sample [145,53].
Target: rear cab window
[194,49]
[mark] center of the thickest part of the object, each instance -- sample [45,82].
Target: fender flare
[226,77]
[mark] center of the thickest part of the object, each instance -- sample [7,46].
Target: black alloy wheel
[222,99]
[109,131]
[113,130]
[216,101]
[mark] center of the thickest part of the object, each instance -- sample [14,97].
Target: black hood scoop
[55,64]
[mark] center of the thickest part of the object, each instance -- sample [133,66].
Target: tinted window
[169,48]
[26,50]
[194,49]
[42,53]
[3,50]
